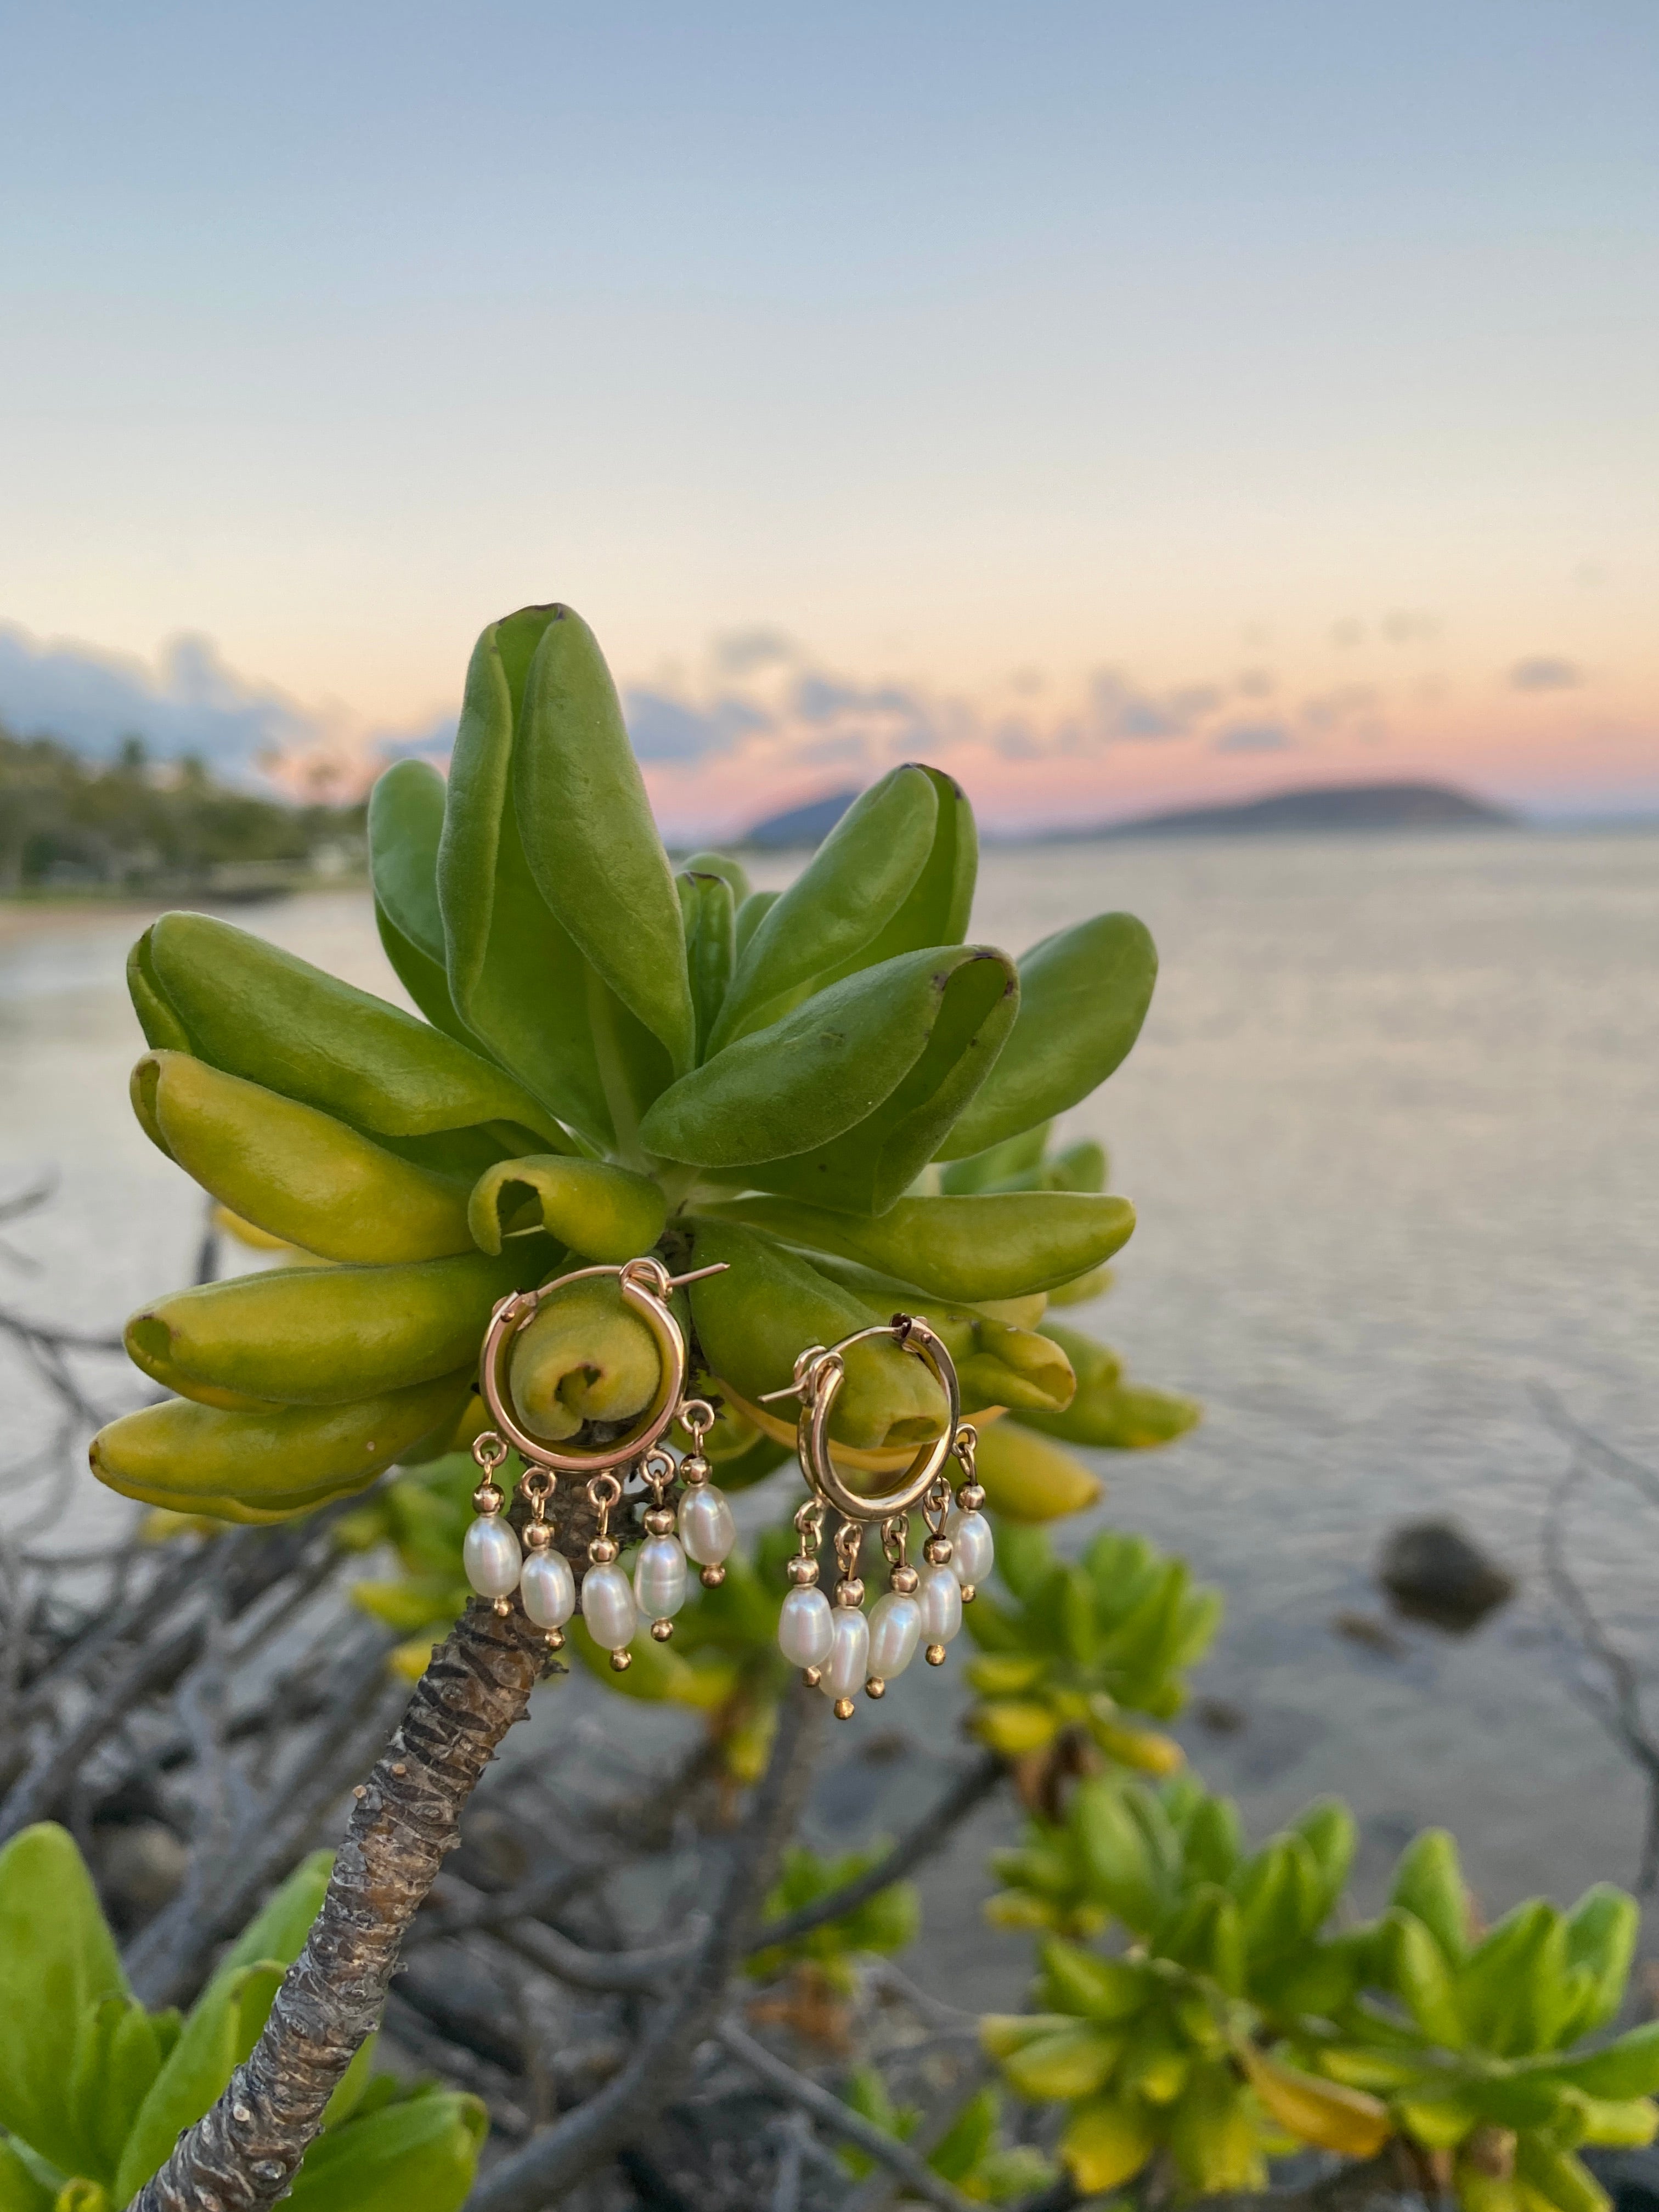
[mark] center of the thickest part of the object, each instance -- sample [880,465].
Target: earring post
[699,1275]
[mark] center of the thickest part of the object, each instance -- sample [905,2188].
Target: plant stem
[241,2155]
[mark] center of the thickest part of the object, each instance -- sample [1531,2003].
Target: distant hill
[1320,807]
[800,826]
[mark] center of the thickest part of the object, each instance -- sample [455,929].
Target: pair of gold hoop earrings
[840,1649]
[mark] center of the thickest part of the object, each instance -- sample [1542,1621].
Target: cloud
[741,651]
[1253,737]
[1544,672]
[1403,627]
[190,701]
[1121,713]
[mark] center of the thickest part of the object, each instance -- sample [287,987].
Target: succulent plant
[615,1058]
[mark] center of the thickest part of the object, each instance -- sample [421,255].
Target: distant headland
[1316,808]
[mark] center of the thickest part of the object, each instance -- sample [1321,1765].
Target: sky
[1122,405]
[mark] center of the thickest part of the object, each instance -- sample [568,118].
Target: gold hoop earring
[495,1562]
[838,1649]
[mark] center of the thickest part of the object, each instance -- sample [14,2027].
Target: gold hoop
[645,1284]
[819,1375]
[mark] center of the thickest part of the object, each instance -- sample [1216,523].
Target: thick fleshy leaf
[516,973]
[876,1161]
[830,1064]
[191,1458]
[1000,1245]
[119,2049]
[845,896]
[305,1176]
[1026,1478]
[605,1212]
[326,1336]
[256,1012]
[709,915]
[58,1962]
[771,1305]
[589,837]
[938,906]
[720,864]
[585,1356]
[996,1364]
[20,2188]
[417,2155]
[405,821]
[1084,995]
[751,911]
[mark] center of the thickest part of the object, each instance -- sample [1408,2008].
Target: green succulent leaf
[876,1161]
[589,837]
[417,2155]
[1084,995]
[405,823]
[997,1246]
[852,888]
[826,1067]
[604,1213]
[935,910]
[517,974]
[1603,1930]
[254,1010]
[1429,1882]
[709,915]
[292,1170]
[57,1964]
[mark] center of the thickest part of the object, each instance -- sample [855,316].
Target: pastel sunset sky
[1119,405]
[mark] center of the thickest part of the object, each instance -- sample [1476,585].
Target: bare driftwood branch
[242,2154]
[800,2090]
[931,1833]
[535,2176]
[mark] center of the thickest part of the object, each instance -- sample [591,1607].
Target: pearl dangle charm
[895,1619]
[491,1556]
[707,1529]
[972,1551]
[547,1589]
[660,1571]
[607,1595]
[846,1668]
[805,1624]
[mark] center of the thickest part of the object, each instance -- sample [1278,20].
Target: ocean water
[1393,1133]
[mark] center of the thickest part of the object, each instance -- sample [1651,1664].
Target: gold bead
[936,1654]
[537,1536]
[662,1629]
[971,1498]
[937,1552]
[968,1593]
[843,1709]
[803,1571]
[556,1639]
[712,1577]
[875,1687]
[850,1593]
[811,1676]
[904,1580]
[503,1606]
[602,1551]
[621,1661]
[659,1521]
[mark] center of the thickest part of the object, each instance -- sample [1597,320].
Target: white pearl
[707,1529]
[940,1599]
[806,1629]
[608,1607]
[659,1578]
[491,1556]
[548,1589]
[973,1553]
[895,1632]
[848,1662]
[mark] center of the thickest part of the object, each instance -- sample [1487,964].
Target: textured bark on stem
[242,2154]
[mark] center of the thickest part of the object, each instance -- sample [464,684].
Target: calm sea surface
[1392,1131]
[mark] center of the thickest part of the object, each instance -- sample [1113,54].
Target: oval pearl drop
[895,1632]
[848,1662]
[608,1607]
[548,1589]
[973,1551]
[805,1628]
[940,1600]
[707,1529]
[491,1557]
[659,1578]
